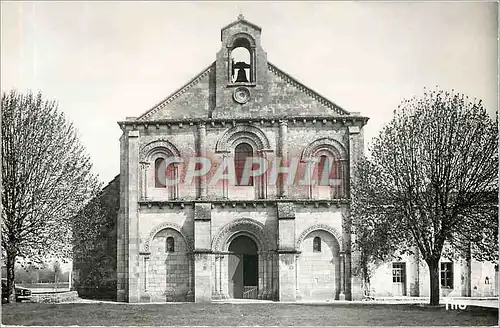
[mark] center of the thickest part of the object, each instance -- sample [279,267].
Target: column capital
[133,134]
[283,122]
[144,164]
[353,129]
[202,125]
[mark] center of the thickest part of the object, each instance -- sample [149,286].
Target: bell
[242,76]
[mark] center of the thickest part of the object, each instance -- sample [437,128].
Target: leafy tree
[46,178]
[431,184]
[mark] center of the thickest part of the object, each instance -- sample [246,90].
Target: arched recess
[168,225]
[158,146]
[318,268]
[253,135]
[325,145]
[231,43]
[323,227]
[248,227]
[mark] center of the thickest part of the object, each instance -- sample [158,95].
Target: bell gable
[242,83]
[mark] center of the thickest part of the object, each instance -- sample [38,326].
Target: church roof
[271,68]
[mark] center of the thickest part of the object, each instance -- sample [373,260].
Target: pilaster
[202,152]
[202,253]
[286,252]
[134,266]
[122,227]
[283,154]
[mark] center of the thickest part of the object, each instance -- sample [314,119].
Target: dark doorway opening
[243,268]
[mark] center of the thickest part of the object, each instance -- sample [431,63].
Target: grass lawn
[263,314]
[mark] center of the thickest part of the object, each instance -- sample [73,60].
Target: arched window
[241,153]
[160,173]
[317,244]
[170,246]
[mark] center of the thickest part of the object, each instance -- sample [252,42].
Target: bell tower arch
[241,70]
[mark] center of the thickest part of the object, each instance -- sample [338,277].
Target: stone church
[236,239]
[250,238]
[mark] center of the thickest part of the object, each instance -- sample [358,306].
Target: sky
[105,61]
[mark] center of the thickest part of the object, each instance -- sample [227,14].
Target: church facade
[201,240]
[218,232]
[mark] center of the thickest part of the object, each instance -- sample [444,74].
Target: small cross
[240,16]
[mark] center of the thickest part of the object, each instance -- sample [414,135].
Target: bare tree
[431,184]
[46,179]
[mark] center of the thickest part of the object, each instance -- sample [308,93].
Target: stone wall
[168,278]
[55,297]
[94,245]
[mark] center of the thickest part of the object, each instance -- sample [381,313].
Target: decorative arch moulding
[320,227]
[336,148]
[344,120]
[168,225]
[243,226]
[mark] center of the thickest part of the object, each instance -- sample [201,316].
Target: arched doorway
[243,268]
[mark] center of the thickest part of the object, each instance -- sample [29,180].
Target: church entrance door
[243,268]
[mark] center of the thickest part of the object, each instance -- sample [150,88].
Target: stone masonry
[276,116]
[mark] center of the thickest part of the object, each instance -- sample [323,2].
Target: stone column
[134,264]
[286,251]
[175,187]
[226,156]
[344,187]
[190,293]
[265,292]
[283,153]
[297,292]
[262,190]
[144,179]
[202,251]
[260,282]
[221,276]
[216,277]
[121,225]
[342,277]
[202,152]
[272,294]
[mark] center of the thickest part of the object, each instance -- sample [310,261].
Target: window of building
[160,173]
[170,247]
[317,244]
[241,153]
[447,275]
[398,272]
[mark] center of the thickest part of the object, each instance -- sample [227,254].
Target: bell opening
[240,65]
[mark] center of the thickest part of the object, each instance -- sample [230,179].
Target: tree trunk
[11,261]
[434,281]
